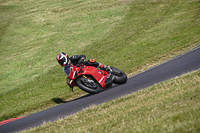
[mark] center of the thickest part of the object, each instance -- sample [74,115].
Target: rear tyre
[120,76]
[88,85]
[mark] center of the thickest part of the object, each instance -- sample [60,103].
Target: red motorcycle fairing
[99,75]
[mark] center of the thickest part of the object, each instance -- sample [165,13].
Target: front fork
[70,84]
[71,88]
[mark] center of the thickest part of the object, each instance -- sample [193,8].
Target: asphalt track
[175,67]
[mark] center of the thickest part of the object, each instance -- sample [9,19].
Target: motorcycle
[91,79]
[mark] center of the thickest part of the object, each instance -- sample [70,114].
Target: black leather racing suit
[78,59]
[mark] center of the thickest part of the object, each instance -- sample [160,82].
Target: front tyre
[120,76]
[88,85]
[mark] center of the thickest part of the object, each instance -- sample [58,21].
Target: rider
[63,59]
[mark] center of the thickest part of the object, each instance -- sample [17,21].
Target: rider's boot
[104,67]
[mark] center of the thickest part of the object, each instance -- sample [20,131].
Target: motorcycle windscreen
[67,70]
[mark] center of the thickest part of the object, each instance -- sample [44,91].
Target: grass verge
[130,35]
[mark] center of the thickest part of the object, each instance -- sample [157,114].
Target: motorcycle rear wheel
[120,76]
[90,87]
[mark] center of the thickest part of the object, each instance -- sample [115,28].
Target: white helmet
[62,59]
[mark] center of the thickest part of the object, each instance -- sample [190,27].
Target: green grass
[170,106]
[130,35]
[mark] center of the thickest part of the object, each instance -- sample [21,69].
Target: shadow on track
[60,101]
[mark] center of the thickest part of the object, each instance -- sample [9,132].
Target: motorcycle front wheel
[88,85]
